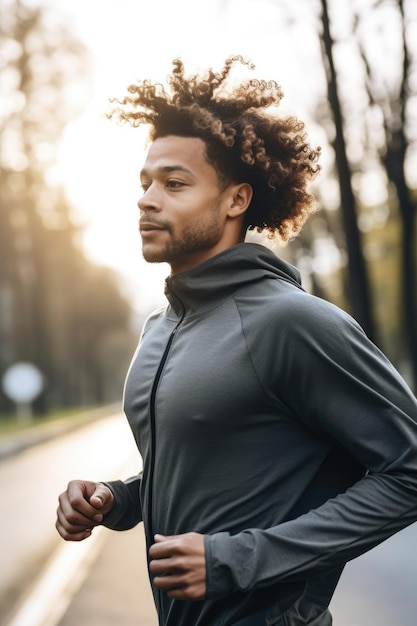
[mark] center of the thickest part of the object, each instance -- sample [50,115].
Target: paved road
[116,591]
[29,486]
[380,588]
[103,581]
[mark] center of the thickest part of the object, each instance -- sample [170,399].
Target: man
[277,441]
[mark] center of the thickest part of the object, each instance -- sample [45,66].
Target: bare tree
[358,283]
[394,98]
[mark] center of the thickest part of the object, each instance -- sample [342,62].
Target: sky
[99,160]
[130,39]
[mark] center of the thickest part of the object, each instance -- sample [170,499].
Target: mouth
[149,227]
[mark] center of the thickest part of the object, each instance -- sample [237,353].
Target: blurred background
[74,289]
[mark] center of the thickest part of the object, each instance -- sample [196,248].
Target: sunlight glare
[99,160]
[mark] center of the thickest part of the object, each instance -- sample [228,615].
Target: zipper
[153,425]
[152,416]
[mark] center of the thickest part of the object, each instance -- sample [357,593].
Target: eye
[145,186]
[174,184]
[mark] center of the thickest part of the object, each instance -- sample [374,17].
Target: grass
[11,423]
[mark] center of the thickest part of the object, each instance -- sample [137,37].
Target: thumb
[160,538]
[102,498]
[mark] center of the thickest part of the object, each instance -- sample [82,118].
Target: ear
[241,196]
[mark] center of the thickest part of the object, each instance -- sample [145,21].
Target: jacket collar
[205,285]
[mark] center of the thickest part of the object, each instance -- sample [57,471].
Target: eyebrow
[166,169]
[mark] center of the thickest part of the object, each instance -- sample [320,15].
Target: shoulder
[279,304]
[316,326]
[308,312]
[284,324]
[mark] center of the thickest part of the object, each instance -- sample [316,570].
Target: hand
[81,507]
[178,564]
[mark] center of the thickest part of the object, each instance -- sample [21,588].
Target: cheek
[195,213]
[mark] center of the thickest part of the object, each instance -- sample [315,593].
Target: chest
[196,379]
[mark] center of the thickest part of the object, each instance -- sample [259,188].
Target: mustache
[151,221]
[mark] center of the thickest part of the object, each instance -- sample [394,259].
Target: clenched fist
[178,564]
[81,507]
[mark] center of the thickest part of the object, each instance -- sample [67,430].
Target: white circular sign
[22,382]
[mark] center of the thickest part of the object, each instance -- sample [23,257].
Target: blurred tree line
[58,310]
[67,315]
[360,249]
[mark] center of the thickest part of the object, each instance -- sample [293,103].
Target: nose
[149,200]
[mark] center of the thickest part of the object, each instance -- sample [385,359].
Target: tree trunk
[358,283]
[392,104]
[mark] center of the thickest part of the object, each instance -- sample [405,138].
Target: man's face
[183,211]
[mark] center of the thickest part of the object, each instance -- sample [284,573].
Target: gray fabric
[269,422]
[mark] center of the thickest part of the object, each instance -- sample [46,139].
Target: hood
[224,273]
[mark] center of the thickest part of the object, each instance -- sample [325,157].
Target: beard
[198,236]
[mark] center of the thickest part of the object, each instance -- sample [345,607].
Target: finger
[75,513]
[102,498]
[71,533]
[160,538]
[163,567]
[172,581]
[77,495]
[180,587]
[164,546]
[67,529]
[79,536]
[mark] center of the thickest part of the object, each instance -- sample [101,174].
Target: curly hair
[244,141]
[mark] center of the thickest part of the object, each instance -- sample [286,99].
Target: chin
[154,256]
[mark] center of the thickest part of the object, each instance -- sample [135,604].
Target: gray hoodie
[267,421]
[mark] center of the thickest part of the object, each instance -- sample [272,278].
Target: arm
[341,387]
[127,510]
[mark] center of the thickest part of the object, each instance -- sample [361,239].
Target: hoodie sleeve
[340,385]
[126,511]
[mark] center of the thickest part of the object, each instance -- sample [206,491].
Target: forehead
[182,153]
